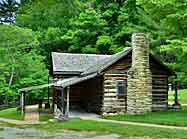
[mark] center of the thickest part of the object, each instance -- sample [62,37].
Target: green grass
[127,131]
[169,117]
[11,113]
[45,117]
[45,114]
[182,96]
[105,128]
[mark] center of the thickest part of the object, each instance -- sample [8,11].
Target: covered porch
[84,98]
[72,97]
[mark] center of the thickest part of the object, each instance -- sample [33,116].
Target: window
[121,87]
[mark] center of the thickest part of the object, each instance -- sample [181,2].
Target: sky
[16,0]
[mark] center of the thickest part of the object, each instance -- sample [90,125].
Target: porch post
[176,103]
[176,93]
[67,105]
[62,101]
[22,102]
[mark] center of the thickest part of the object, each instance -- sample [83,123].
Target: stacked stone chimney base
[139,92]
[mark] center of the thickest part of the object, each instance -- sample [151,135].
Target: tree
[21,46]
[175,55]
[8,9]
[84,32]
[41,14]
[171,15]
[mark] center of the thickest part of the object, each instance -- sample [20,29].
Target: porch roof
[61,83]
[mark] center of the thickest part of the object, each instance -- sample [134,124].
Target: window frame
[121,85]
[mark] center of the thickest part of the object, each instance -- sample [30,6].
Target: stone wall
[139,99]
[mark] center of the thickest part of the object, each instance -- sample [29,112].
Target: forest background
[32,29]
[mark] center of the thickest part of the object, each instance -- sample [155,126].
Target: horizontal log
[159,90]
[161,94]
[109,90]
[109,86]
[156,76]
[160,102]
[116,71]
[113,100]
[110,94]
[160,98]
[160,86]
[115,75]
[159,105]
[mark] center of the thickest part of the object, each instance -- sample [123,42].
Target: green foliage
[182,95]
[175,54]
[85,30]
[81,26]
[41,14]
[171,15]
[20,60]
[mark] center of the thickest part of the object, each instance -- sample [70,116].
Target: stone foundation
[139,99]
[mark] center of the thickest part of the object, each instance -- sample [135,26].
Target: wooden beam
[67,105]
[36,87]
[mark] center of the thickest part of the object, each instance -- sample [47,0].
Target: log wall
[111,102]
[118,71]
[159,88]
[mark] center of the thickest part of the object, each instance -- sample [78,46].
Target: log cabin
[132,81]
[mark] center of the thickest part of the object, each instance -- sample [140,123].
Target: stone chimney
[139,92]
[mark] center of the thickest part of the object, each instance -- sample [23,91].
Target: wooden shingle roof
[65,63]
[85,64]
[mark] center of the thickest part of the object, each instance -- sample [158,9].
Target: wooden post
[176,105]
[62,101]
[176,92]
[23,102]
[67,101]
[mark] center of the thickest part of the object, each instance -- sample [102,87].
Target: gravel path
[29,133]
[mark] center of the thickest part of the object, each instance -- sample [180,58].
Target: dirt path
[134,123]
[32,114]
[31,117]
[18,122]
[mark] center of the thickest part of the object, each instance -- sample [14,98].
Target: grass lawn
[127,131]
[182,96]
[45,117]
[169,117]
[11,113]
